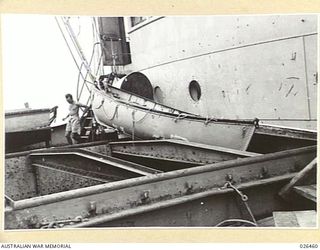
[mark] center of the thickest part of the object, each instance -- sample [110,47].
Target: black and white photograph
[190,121]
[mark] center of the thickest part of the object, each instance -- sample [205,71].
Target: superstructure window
[137,19]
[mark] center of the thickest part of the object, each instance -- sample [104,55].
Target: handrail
[54,110]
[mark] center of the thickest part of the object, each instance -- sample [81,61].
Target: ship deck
[162,183]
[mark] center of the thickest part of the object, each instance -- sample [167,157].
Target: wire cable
[236,221]
[70,50]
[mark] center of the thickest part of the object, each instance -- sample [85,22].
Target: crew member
[73,127]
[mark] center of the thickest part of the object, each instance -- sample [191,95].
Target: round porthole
[194,90]
[158,94]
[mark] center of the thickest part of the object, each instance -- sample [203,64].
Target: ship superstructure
[233,67]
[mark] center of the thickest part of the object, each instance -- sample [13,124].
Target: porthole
[138,83]
[194,90]
[158,94]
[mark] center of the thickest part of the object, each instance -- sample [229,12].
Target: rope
[99,64]
[147,113]
[68,30]
[249,211]
[273,119]
[208,120]
[81,55]
[133,124]
[131,104]
[180,117]
[102,101]
[97,38]
[69,48]
[78,81]
[75,61]
[236,220]
[286,119]
[79,27]
[243,197]
[83,84]
[77,46]
[89,97]
[87,73]
[114,113]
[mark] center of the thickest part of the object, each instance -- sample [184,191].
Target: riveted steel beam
[175,189]
[173,154]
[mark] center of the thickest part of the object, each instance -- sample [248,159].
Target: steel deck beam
[174,154]
[251,173]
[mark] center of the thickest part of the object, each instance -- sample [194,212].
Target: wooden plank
[295,219]
[266,222]
[309,192]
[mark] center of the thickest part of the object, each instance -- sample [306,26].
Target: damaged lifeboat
[144,118]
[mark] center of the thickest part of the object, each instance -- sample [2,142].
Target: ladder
[88,127]
[91,131]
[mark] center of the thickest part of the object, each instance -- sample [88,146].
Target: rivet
[229,177]
[92,207]
[145,196]
[189,187]
[264,172]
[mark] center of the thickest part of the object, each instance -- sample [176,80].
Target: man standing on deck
[73,128]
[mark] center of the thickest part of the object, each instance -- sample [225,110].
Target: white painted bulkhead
[247,66]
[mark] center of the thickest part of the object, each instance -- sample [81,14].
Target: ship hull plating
[246,66]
